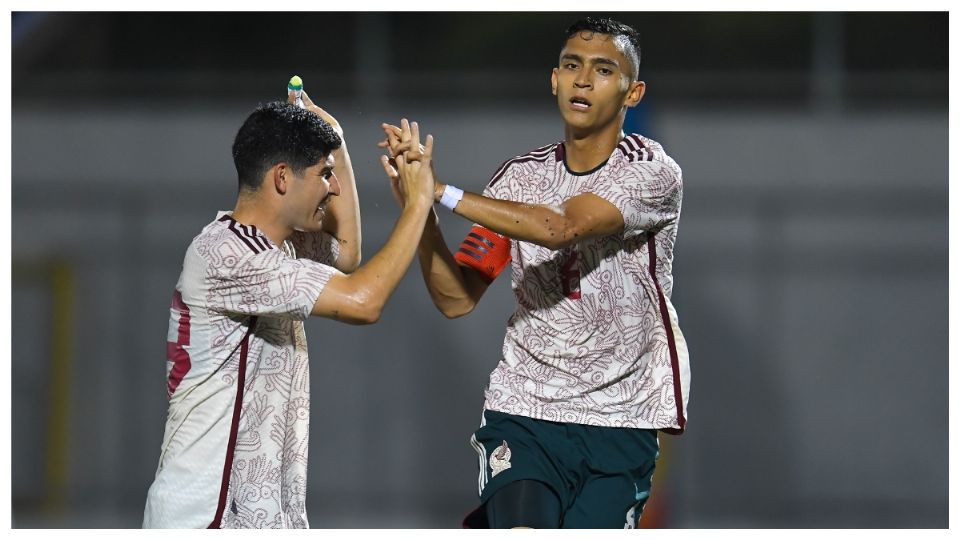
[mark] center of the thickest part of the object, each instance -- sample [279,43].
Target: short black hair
[610,27]
[280,132]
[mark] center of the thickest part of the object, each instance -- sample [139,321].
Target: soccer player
[594,363]
[234,451]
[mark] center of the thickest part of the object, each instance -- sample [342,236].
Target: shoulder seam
[248,235]
[634,149]
[541,154]
[243,236]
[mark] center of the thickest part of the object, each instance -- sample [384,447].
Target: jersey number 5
[570,275]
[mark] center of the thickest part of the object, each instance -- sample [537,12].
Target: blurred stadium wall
[810,270]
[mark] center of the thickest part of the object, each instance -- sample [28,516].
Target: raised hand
[393,140]
[390,167]
[410,172]
[312,107]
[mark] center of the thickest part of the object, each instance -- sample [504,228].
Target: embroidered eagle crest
[500,459]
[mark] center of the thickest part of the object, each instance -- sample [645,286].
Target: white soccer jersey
[234,450]
[594,339]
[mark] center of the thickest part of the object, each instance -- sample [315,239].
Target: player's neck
[586,151]
[252,212]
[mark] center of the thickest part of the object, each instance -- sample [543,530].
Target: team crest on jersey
[500,459]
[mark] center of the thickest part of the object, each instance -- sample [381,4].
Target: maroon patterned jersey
[234,450]
[594,339]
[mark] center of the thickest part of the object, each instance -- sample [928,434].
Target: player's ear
[553,81]
[280,174]
[635,93]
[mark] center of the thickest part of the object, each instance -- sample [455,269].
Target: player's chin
[314,223]
[579,121]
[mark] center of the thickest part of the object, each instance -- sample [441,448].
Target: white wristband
[451,196]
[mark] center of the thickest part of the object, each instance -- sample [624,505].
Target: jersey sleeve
[648,194]
[270,284]
[319,246]
[489,192]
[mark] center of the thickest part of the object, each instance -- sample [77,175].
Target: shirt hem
[540,415]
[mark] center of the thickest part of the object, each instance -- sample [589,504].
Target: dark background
[810,270]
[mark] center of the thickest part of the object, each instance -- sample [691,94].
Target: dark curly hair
[280,132]
[610,27]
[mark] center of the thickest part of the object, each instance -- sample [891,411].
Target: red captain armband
[485,251]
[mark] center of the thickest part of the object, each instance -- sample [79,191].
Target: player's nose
[334,185]
[582,79]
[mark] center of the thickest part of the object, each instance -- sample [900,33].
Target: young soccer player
[594,363]
[234,451]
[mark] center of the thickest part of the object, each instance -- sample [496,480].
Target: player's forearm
[343,214]
[539,224]
[374,282]
[442,275]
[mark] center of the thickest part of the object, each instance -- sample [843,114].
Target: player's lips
[579,103]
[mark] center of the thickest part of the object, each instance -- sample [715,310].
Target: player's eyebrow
[595,59]
[608,61]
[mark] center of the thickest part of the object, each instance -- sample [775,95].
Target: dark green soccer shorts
[600,474]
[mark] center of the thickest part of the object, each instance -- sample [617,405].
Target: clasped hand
[409,165]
